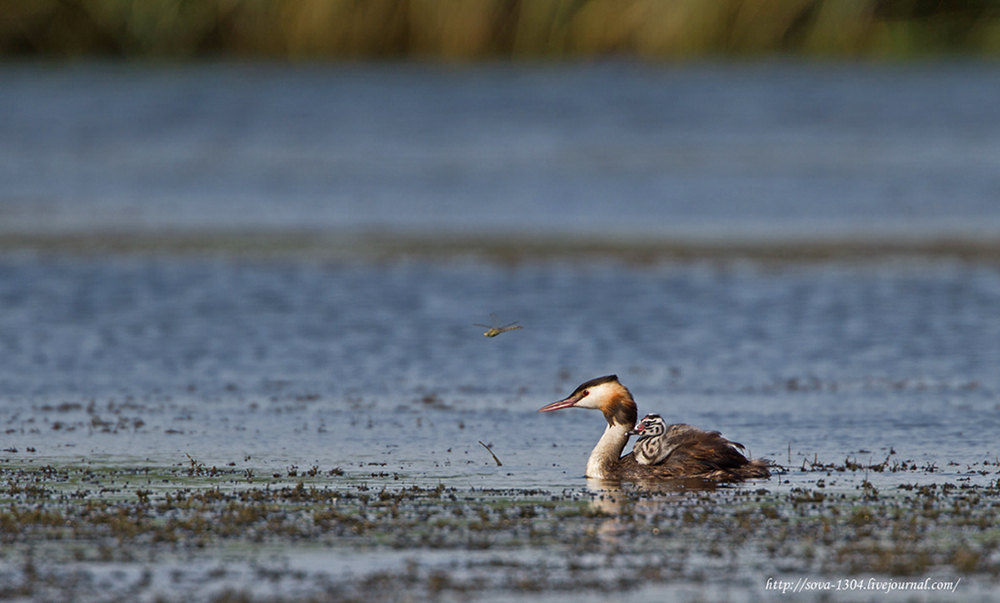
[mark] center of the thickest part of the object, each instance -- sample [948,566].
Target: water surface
[341,365]
[785,152]
[163,307]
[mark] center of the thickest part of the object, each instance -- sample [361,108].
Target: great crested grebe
[682,452]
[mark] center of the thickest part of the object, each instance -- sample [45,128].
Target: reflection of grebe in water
[679,451]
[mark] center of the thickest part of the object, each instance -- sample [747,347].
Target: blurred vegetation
[484,29]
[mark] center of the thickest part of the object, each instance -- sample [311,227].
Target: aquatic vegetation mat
[201,533]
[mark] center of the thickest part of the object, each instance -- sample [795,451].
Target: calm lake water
[269,362]
[238,356]
[779,151]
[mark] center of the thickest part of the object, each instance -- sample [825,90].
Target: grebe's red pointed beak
[565,403]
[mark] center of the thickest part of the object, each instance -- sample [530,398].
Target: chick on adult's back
[681,452]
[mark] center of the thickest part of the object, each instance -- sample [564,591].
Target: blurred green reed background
[491,29]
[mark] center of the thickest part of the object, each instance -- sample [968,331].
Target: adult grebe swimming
[681,452]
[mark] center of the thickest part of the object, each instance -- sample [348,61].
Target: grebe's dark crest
[663,451]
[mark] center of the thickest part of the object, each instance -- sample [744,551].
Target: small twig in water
[499,464]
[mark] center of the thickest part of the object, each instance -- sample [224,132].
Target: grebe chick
[657,440]
[652,447]
[681,452]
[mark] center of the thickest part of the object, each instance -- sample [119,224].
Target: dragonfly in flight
[495,329]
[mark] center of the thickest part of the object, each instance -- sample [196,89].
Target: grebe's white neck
[608,451]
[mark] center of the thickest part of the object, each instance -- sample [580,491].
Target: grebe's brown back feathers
[695,452]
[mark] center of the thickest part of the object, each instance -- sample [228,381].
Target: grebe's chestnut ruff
[663,451]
